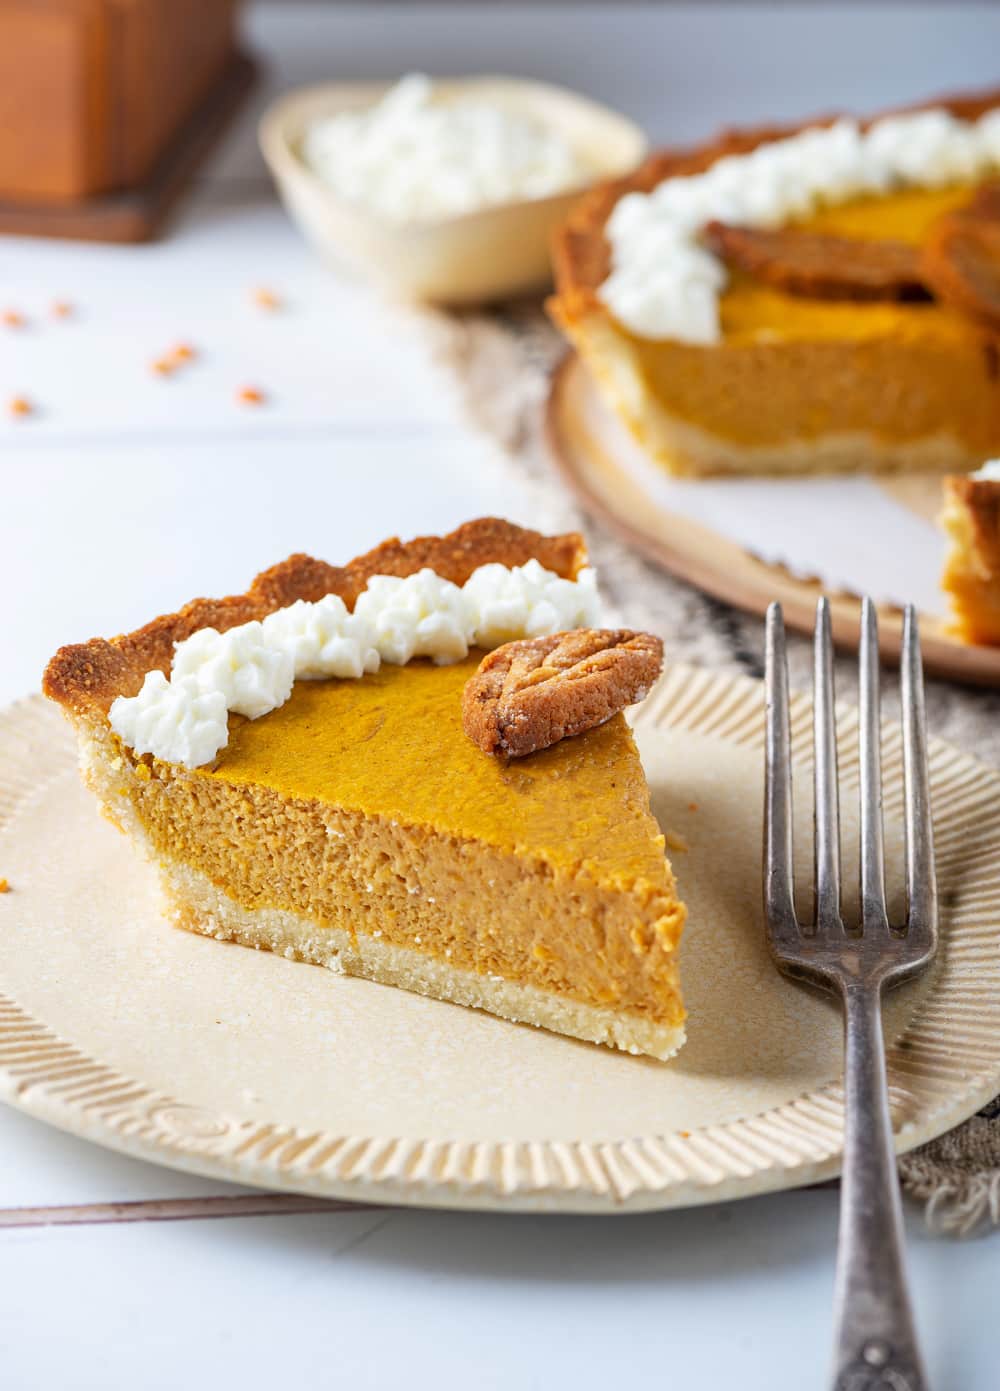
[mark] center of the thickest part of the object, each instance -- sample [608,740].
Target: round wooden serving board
[589,446]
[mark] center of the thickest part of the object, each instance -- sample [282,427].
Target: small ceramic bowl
[488,254]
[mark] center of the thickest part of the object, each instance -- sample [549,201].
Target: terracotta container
[92,92]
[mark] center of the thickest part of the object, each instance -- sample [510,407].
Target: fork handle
[875,1342]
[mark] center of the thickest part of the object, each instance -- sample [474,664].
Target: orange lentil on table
[162,366]
[250,396]
[183,353]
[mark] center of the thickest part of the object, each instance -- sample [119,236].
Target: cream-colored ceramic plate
[250,1067]
[467,259]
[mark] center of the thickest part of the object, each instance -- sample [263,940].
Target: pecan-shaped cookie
[529,694]
[820,265]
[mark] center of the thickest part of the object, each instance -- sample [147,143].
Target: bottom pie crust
[196,904]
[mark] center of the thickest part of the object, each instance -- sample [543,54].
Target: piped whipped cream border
[665,284]
[250,669]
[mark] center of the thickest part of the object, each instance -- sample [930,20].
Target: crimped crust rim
[580,250]
[86,677]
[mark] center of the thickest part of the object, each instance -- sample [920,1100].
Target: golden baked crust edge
[971,579]
[981,496]
[87,677]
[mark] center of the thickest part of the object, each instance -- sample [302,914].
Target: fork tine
[921,882]
[779,900]
[873,910]
[825,765]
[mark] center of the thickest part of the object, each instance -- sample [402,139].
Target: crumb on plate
[250,396]
[19,407]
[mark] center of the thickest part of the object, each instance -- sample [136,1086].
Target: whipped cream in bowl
[447,189]
[417,156]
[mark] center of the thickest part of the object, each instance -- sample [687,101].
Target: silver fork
[875,1342]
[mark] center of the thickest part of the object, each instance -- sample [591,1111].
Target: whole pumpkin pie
[349,820]
[823,297]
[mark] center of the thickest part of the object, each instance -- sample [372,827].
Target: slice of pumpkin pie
[295,761]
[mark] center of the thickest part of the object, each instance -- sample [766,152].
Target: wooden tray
[136,214]
[713,562]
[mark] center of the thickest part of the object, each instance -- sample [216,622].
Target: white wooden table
[125,490]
